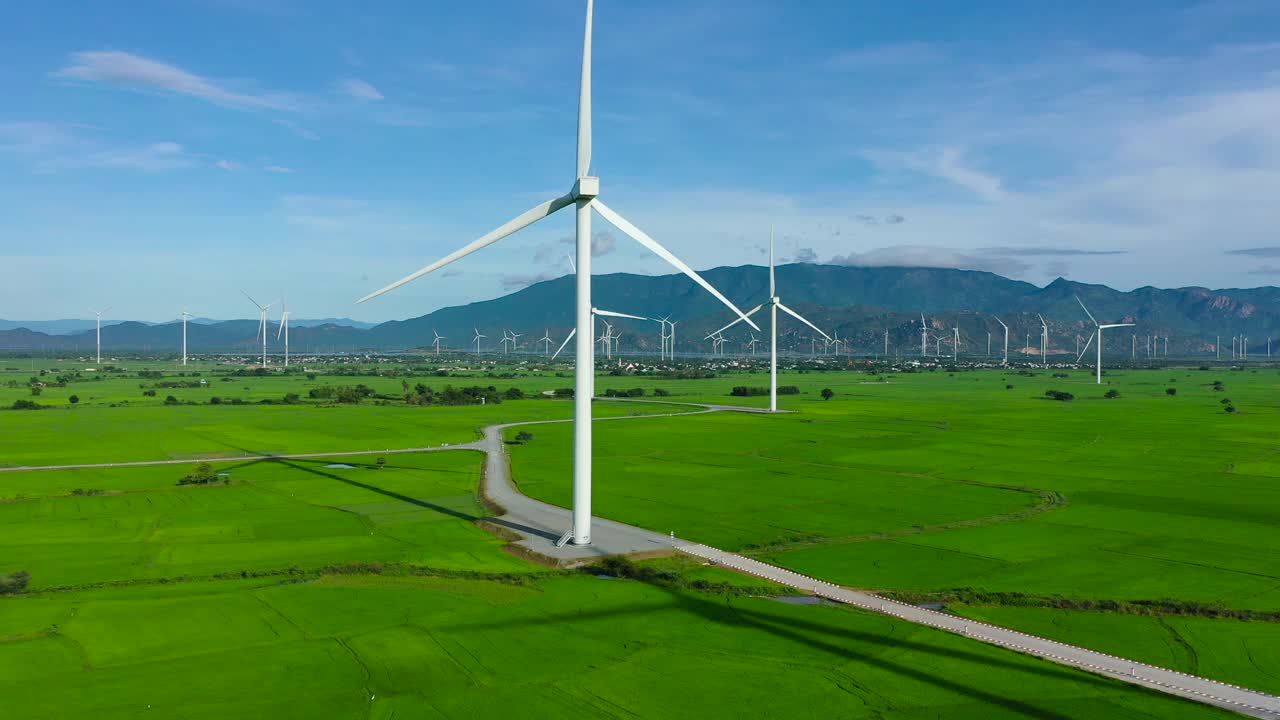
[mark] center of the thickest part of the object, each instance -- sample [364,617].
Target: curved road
[540,525]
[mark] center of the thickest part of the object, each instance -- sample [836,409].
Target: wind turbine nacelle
[586,188]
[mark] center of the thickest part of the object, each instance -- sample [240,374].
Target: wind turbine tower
[1006,340]
[185,315]
[1044,342]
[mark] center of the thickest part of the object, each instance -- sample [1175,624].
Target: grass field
[361,646]
[919,482]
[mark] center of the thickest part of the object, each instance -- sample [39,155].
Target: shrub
[1008,387]
[26,405]
[148,393]
[1059,395]
[170,400]
[1111,394]
[661,392]
[381,462]
[292,399]
[563,392]
[513,393]
[14,582]
[36,390]
[828,393]
[744,391]
[74,399]
[1171,391]
[1230,409]
[523,437]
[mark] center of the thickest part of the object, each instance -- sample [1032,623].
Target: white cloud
[359,90]
[228,165]
[149,158]
[931,257]
[278,169]
[140,73]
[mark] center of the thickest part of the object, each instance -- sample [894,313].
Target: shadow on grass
[840,642]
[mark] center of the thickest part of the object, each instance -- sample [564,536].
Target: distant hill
[857,303]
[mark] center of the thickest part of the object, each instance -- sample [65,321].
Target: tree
[170,400]
[1171,391]
[1059,395]
[1230,409]
[828,393]
[74,399]
[513,393]
[661,392]
[26,405]
[36,390]
[523,437]
[202,474]
[292,399]
[1111,394]
[381,462]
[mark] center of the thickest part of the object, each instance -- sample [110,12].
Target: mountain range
[858,303]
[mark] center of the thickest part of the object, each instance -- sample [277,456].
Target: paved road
[1211,692]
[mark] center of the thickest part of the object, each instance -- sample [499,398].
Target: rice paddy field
[337,587]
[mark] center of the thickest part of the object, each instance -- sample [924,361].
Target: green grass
[419,509]
[360,646]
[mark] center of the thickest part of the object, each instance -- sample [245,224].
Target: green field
[253,598]
[360,646]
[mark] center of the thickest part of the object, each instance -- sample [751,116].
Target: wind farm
[433,511]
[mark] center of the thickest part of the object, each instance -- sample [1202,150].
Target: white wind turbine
[185,316]
[955,344]
[284,328]
[1006,340]
[584,196]
[924,337]
[546,343]
[1100,329]
[436,338]
[775,304]
[596,312]
[262,325]
[100,313]
[752,344]
[1044,341]
[476,339]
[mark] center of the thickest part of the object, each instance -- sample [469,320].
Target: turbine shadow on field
[803,631]
[374,488]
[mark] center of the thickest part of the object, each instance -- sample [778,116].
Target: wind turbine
[584,196]
[775,304]
[1006,340]
[924,337]
[437,337]
[476,339]
[1044,341]
[262,325]
[185,315]
[100,313]
[955,345]
[596,312]
[752,344]
[1100,329]
[284,328]
[546,343]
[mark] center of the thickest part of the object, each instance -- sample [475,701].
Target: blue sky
[169,153]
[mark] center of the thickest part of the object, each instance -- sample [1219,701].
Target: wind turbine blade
[520,222]
[610,313]
[1086,311]
[584,101]
[566,342]
[1085,349]
[773,286]
[750,312]
[1006,327]
[283,318]
[255,302]
[1042,322]
[1107,327]
[639,236]
[572,265]
[796,315]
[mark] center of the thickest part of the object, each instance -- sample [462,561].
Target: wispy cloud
[150,158]
[515,281]
[947,163]
[135,72]
[931,257]
[359,90]
[1262,252]
[228,165]
[1046,251]
[279,169]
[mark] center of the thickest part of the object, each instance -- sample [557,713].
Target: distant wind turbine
[262,325]
[476,339]
[1044,341]
[1006,340]
[436,338]
[775,304]
[100,313]
[284,328]
[1100,329]
[185,315]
